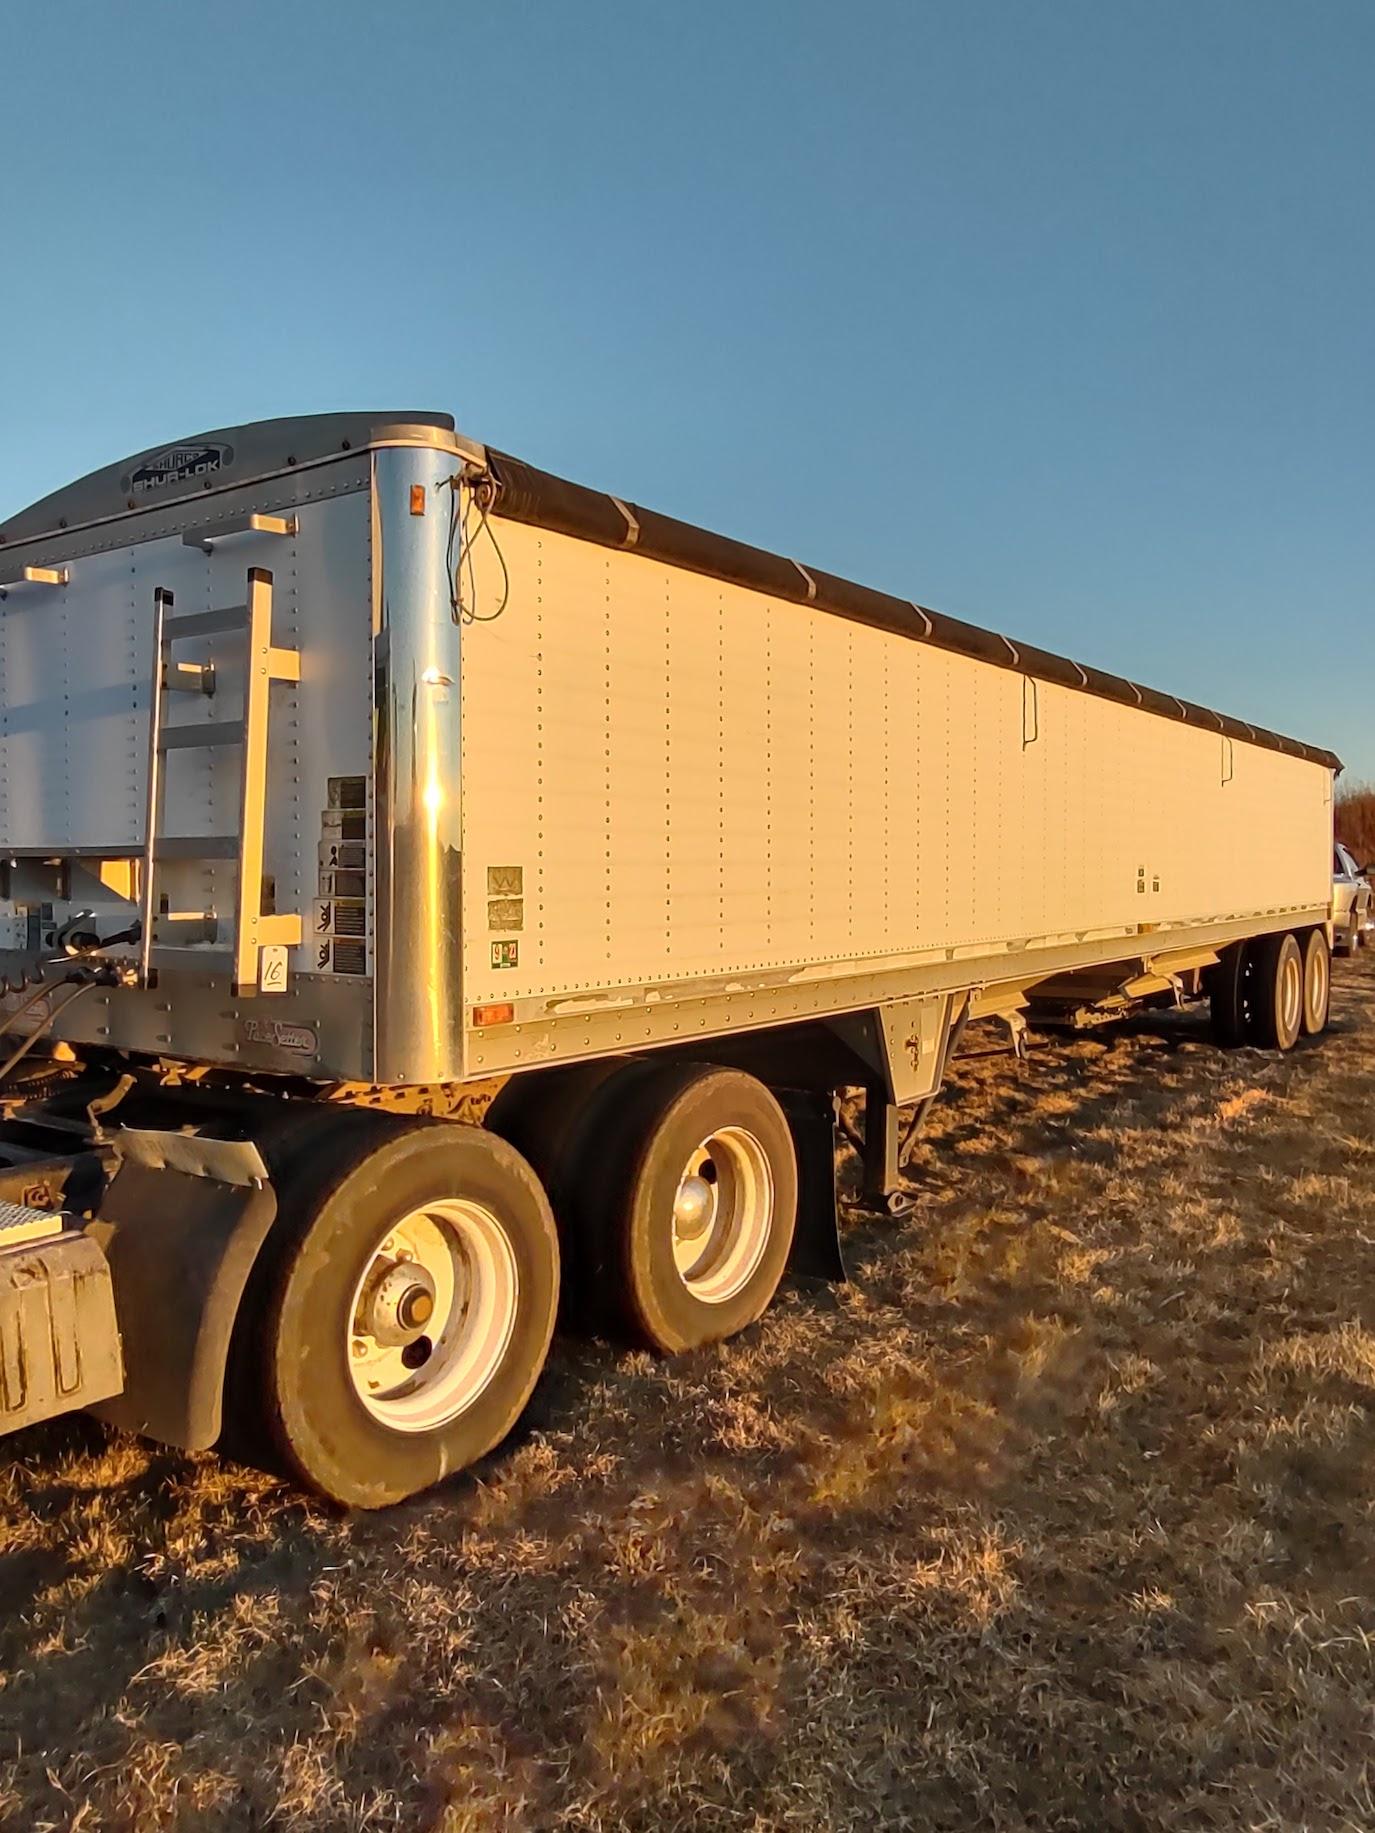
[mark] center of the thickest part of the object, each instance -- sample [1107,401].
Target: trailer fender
[180,1245]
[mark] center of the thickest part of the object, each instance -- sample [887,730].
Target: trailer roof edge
[204,464]
[526,494]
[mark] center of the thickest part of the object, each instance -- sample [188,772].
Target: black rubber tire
[1231,989]
[657,1119]
[1317,983]
[548,1114]
[1273,1021]
[553,1119]
[338,1207]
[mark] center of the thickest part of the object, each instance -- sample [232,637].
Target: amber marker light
[484,1016]
[417,499]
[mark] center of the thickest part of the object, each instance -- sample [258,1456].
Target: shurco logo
[177,465]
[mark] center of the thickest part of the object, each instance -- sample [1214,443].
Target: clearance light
[493,1015]
[417,499]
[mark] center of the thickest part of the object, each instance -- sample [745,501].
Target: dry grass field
[1059,1515]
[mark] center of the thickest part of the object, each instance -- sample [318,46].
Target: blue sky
[1056,316]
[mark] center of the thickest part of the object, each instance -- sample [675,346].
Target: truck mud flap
[59,1341]
[180,1246]
[816,1250]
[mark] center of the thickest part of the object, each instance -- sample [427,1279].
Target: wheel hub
[398,1303]
[432,1315]
[722,1214]
[692,1208]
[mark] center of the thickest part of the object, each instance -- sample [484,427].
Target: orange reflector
[493,1015]
[417,499]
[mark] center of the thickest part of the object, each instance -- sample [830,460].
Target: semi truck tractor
[437,898]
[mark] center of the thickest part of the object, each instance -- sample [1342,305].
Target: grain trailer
[434,892]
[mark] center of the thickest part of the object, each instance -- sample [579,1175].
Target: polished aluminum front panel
[416,790]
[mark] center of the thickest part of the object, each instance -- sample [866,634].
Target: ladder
[264,663]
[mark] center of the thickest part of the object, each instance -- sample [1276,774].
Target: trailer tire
[1275,1019]
[1317,983]
[464,1218]
[1232,994]
[695,1203]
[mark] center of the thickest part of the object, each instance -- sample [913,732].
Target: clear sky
[1059,316]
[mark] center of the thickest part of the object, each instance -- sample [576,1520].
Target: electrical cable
[19,1011]
[41,1031]
[483,495]
[12,985]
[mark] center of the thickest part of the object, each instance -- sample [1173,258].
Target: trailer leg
[816,1250]
[882,1143]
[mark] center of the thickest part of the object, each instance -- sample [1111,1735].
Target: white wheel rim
[414,1373]
[1291,991]
[722,1214]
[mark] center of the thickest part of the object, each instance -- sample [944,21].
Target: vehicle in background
[1353,903]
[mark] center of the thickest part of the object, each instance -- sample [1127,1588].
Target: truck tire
[1231,993]
[547,1114]
[1317,983]
[405,1310]
[551,1117]
[696,1183]
[1275,1019]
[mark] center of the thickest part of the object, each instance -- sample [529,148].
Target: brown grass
[1062,1514]
[1355,818]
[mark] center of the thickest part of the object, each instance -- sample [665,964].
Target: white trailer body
[726,809]
[347,763]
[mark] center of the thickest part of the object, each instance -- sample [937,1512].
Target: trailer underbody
[137,1196]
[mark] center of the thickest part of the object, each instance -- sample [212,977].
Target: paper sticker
[272,968]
